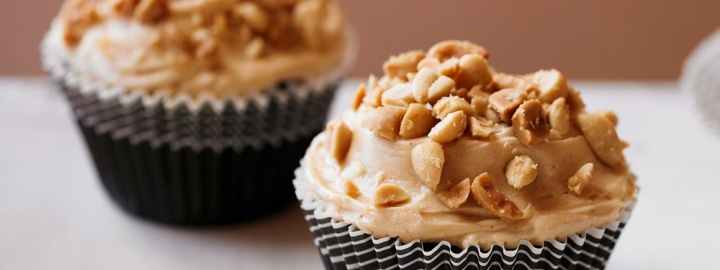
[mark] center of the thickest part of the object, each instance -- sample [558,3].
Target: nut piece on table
[602,137]
[521,171]
[481,127]
[505,101]
[428,159]
[351,189]
[559,117]
[359,96]
[390,195]
[340,141]
[450,128]
[485,194]
[421,84]
[474,70]
[456,195]
[551,83]
[383,121]
[455,48]
[398,95]
[417,121]
[581,178]
[451,104]
[529,122]
[400,65]
[440,88]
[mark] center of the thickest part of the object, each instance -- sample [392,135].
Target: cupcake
[198,111]
[445,163]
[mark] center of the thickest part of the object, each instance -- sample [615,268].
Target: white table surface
[54,215]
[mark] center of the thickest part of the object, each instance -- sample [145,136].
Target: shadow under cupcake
[445,163]
[197,112]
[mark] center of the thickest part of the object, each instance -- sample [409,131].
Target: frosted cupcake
[197,111]
[445,163]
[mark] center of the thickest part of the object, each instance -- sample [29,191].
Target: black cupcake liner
[342,245]
[195,161]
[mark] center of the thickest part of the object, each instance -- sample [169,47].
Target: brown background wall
[631,39]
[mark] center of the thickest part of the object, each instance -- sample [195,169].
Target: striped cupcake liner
[195,161]
[342,245]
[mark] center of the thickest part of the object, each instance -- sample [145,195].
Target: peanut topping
[384,121]
[400,65]
[421,84]
[450,67]
[398,95]
[478,100]
[440,88]
[521,171]
[373,93]
[455,48]
[551,83]
[529,122]
[253,15]
[450,128]
[486,195]
[505,101]
[359,96]
[481,127]
[351,189]
[417,122]
[581,178]
[604,141]
[449,105]
[151,11]
[474,70]
[428,159]
[340,140]
[390,195]
[456,195]
[559,118]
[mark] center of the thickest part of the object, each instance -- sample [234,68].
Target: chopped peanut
[529,122]
[481,127]
[450,128]
[253,15]
[551,83]
[417,121]
[456,195]
[373,93]
[559,118]
[440,88]
[421,84]
[602,137]
[351,189]
[390,195]
[450,104]
[486,195]
[384,121]
[359,96]
[454,48]
[428,159]
[474,70]
[340,140]
[521,171]
[505,101]
[581,178]
[398,95]
[450,67]
[150,11]
[400,65]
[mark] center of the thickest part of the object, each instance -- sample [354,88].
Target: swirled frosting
[401,164]
[212,47]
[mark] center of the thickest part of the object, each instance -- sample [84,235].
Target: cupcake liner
[342,245]
[195,161]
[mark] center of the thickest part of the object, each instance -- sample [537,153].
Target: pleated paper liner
[344,246]
[195,161]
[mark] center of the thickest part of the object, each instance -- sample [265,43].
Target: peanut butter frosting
[214,47]
[444,148]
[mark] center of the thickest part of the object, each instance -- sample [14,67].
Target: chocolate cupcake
[197,111]
[445,163]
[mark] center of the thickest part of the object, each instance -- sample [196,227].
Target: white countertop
[54,215]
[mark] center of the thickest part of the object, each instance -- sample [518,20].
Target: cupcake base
[194,187]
